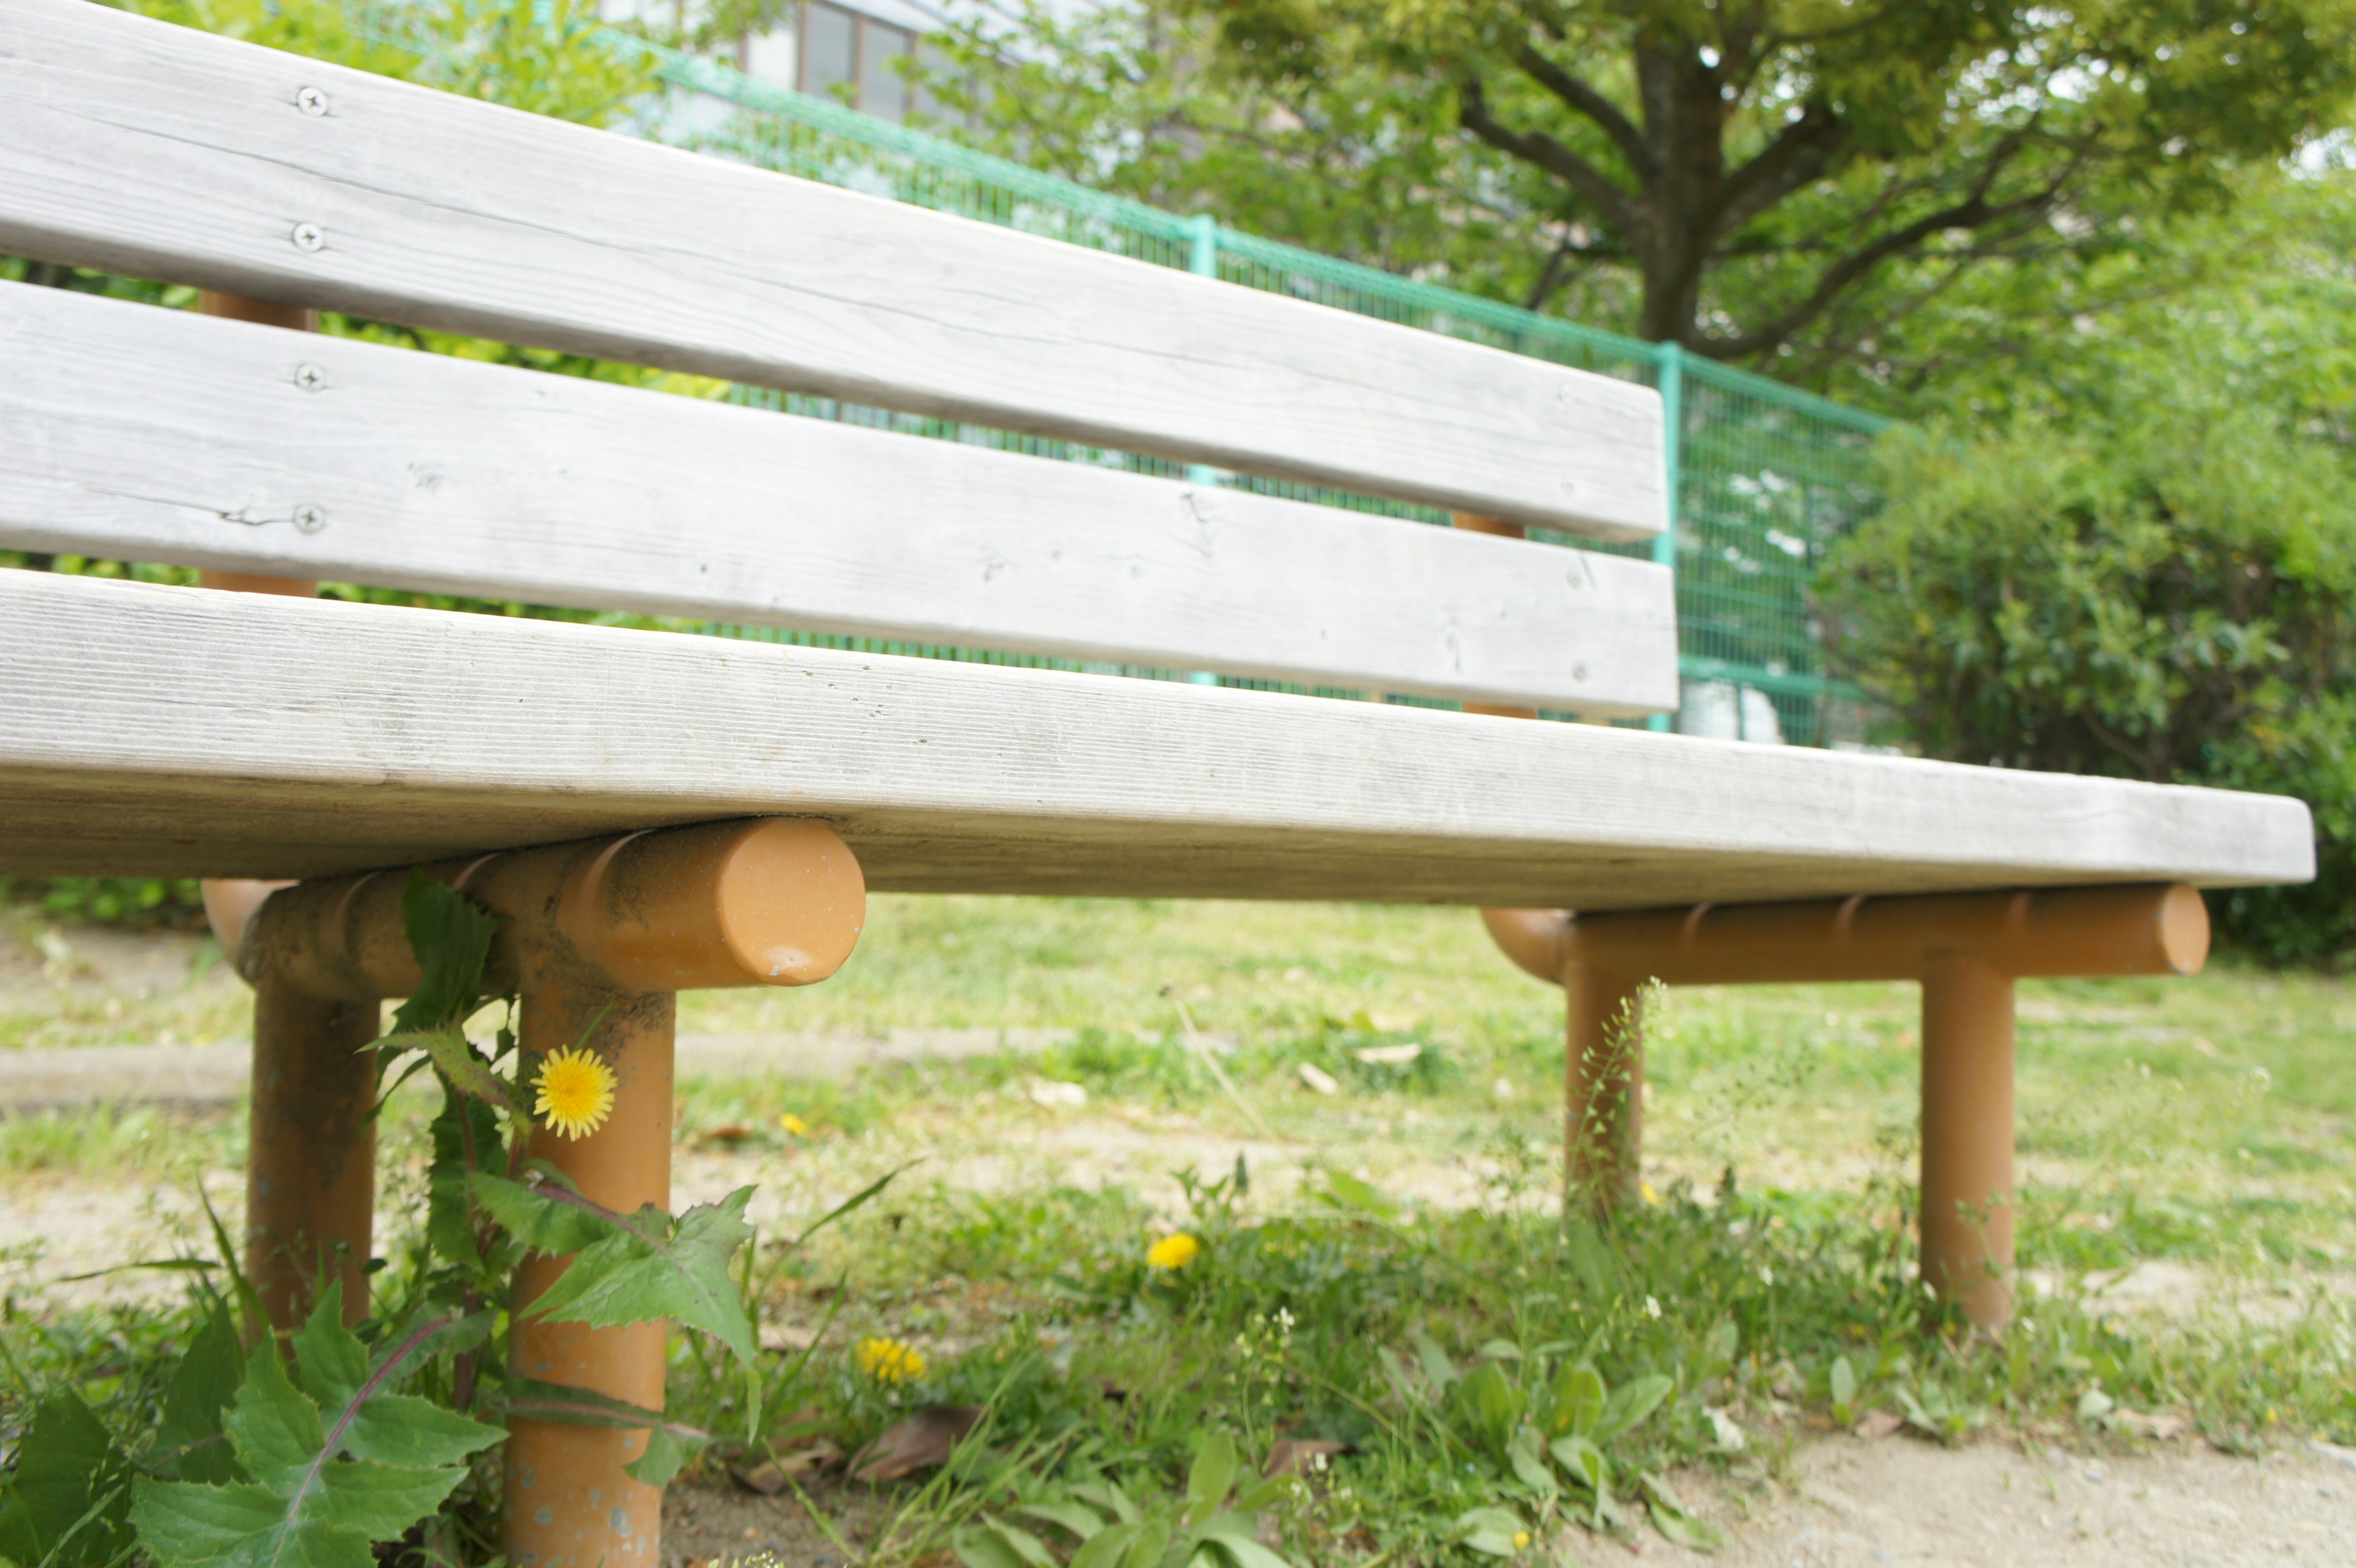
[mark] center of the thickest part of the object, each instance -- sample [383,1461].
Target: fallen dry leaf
[1878,1423]
[764,1479]
[1303,1455]
[919,1442]
[1318,1079]
[2162,1427]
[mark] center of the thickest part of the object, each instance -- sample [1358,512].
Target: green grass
[2204,1125]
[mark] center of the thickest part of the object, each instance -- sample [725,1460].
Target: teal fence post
[1669,380]
[1203,261]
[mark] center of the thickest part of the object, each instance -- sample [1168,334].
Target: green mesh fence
[1765,478]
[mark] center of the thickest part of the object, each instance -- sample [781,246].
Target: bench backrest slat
[158,150]
[154,434]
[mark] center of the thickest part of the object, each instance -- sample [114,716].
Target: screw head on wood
[309,236]
[309,519]
[311,100]
[310,377]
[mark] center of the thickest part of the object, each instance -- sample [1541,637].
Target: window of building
[883,76]
[829,51]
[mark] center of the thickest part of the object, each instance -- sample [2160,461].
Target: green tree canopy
[1736,178]
[2128,548]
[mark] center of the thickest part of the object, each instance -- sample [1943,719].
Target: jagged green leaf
[632,1268]
[67,1505]
[191,1445]
[450,935]
[670,1444]
[457,1063]
[338,1461]
[451,1227]
[535,1217]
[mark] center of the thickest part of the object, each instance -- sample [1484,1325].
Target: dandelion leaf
[450,935]
[632,1268]
[457,1063]
[450,1217]
[338,1461]
[189,1443]
[67,1505]
[670,1444]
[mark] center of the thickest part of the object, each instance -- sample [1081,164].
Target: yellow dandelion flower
[794,1125]
[577,1093]
[1521,1539]
[1172,1253]
[888,1361]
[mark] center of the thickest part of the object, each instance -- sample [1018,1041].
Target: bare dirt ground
[1841,1503]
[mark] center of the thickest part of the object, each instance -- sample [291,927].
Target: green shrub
[2173,599]
[175,902]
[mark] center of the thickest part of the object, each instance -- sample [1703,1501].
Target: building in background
[871,54]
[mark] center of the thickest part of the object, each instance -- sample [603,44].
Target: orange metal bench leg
[1967,1135]
[568,1499]
[1604,1099]
[1966,949]
[310,1175]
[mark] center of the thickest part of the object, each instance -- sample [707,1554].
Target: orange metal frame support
[599,937]
[1966,949]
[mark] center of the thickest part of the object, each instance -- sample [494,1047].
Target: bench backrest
[159,152]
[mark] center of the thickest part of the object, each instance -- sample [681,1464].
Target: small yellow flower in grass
[1521,1539]
[794,1125]
[577,1093]
[1172,1253]
[888,1361]
[1650,1195]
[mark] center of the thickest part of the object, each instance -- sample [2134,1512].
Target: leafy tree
[1739,177]
[2145,565]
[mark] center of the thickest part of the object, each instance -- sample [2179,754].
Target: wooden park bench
[698,810]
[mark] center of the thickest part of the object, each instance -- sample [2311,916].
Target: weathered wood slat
[162,152]
[182,730]
[148,434]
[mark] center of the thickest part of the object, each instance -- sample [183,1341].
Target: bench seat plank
[183,730]
[145,434]
[165,152]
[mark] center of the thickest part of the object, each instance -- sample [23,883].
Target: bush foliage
[2172,599]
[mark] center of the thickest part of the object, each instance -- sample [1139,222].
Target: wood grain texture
[146,434]
[160,152]
[155,731]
